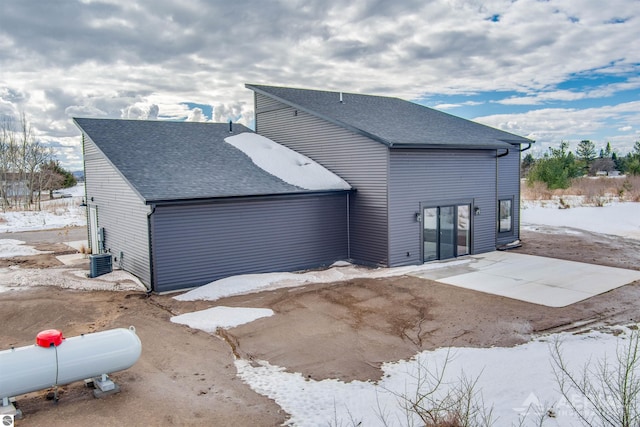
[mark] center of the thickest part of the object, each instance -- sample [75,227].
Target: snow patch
[55,213]
[221,317]
[11,247]
[16,279]
[514,392]
[249,283]
[619,219]
[286,164]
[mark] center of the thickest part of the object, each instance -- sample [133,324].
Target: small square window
[505,216]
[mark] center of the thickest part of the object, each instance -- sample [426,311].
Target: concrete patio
[539,280]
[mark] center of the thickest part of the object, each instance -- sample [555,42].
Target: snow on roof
[286,164]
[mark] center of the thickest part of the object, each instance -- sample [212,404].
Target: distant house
[385,182]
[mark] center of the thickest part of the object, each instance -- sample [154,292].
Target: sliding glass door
[446,231]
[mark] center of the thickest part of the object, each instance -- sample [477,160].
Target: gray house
[429,185]
[179,206]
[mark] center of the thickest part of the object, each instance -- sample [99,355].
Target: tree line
[557,167]
[27,167]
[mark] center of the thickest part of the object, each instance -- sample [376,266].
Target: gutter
[506,153]
[525,149]
[199,200]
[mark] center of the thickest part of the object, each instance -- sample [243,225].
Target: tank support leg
[8,408]
[104,386]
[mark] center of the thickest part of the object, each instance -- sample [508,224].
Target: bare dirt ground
[340,330]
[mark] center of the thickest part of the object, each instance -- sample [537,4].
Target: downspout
[348,227]
[151,269]
[86,199]
[519,188]
[255,111]
[496,201]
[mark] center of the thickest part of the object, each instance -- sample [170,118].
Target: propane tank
[55,360]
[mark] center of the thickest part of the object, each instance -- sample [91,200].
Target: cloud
[602,91]
[196,115]
[456,105]
[236,112]
[84,111]
[11,95]
[549,126]
[140,110]
[119,58]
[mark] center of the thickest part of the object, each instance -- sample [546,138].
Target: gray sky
[549,70]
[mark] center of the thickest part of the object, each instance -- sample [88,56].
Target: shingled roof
[392,121]
[169,161]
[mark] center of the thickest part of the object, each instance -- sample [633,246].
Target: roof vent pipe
[341,101]
[230,126]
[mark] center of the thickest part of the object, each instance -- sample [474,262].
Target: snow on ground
[619,219]
[249,283]
[286,164]
[16,279]
[11,247]
[56,213]
[501,377]
[512,391]
[221,317]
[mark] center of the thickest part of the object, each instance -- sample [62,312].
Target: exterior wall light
[418,217]
[476,211]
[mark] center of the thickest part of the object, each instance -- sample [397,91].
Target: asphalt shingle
[392,121]
[165,160]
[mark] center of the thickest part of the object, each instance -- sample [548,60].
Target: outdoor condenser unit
[100,264]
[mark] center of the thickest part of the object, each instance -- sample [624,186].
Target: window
[505,216]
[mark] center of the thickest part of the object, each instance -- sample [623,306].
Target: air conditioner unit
[100,264]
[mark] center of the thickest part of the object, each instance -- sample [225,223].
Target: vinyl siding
[265,103]
[197,244]
[121,213]
[359,160]
[436,178]
[509,187]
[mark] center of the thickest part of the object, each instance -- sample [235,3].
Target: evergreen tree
[556,168]
[631,162]
[616,161]
[55,177]
[527,163]
[586,154]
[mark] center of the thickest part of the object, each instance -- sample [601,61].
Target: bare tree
[6,136]
[610,389]
[21,161]
[440,404]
